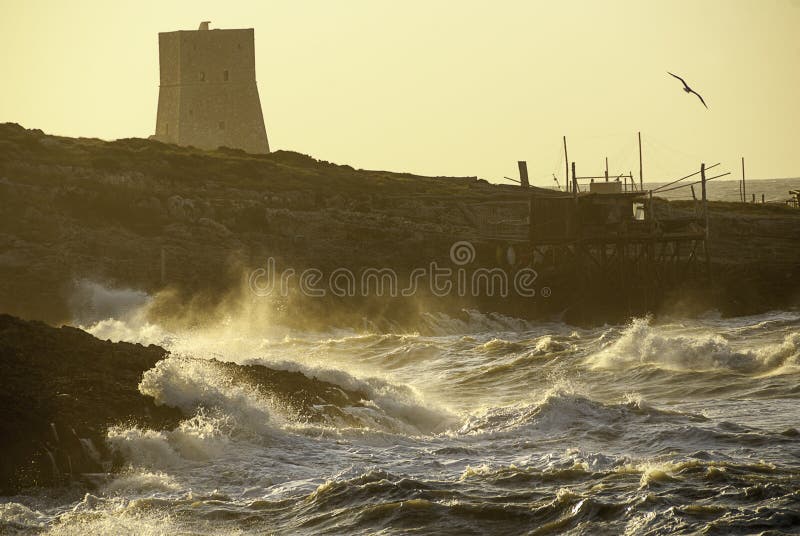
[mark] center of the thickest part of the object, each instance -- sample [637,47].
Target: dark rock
[60,389]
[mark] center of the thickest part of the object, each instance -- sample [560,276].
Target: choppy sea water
[773,190]
[477,424]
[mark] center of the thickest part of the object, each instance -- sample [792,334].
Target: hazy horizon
[427,89]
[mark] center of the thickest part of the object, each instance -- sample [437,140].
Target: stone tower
[208,96]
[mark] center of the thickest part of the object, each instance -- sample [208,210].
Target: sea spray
[190,384]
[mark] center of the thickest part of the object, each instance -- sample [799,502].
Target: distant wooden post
[705,197]
[641,180]
[762,198]
[754,198]
[523,173]
[566,178]
[705,217]
[566,165]
[574,181]
[744,187]
[693,195]
[606,169]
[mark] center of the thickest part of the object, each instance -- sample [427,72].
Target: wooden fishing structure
[604,237]
[608,238]
[794,201]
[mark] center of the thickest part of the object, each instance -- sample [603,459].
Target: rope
[655,159]
[693,183]
[557,167]
[682,178]
[673,149]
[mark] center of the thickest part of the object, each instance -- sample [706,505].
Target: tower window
[202,76]
[225,75]
[222,125]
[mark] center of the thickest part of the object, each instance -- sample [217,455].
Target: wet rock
[60,389]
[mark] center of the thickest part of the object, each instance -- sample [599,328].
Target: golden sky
[443,87]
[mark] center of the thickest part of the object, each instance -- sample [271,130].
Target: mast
[641,180]
[566,165]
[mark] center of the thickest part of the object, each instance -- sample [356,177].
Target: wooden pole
[566,178]
[574,181]
[606,169]
[693,194]
[523,174]
[705,217]
[744,187]
[641,180]
[705,197]
[566,165]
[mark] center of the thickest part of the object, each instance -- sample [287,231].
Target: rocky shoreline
[61,389]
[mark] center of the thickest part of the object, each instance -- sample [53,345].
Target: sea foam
[642,343]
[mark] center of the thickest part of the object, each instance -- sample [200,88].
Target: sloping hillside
[88,209]
[140,214]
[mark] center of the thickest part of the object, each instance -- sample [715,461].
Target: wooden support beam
[705,216]
[523,173]
[574,181]
[641,179]
[705,198]
[566,165]
[744,186]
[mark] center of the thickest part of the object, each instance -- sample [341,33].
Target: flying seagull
[687,89]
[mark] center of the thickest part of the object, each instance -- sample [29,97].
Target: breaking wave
[200,438]
[258,399]
[644,344]
[561,411]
